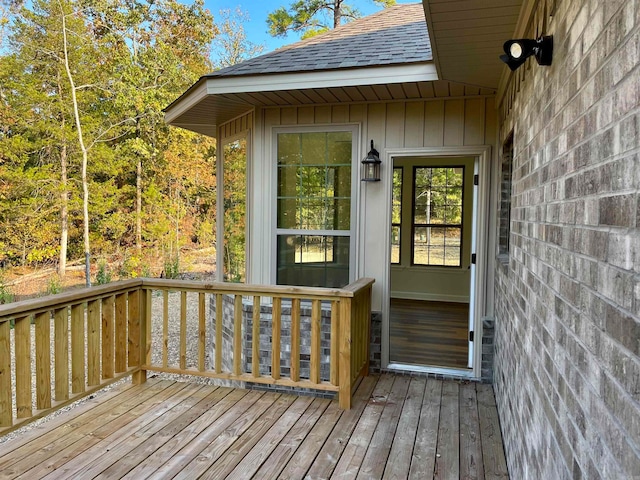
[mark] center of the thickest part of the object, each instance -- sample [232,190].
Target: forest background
[94,186]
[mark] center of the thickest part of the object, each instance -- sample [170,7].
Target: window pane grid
[437,216]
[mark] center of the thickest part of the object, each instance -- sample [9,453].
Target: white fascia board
[183,105]
[424,72]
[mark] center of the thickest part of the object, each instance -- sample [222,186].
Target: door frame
[481,240]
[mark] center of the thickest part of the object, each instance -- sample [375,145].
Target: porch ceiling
[467,38]
[208,110]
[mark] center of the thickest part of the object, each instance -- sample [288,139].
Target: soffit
[467,37]
[211,110]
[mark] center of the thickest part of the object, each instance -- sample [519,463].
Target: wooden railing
[105,333]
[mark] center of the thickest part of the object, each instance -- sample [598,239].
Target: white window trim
[355,191]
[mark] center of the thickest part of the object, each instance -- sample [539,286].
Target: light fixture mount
[518,50]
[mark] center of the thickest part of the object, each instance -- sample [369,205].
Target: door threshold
[464,373]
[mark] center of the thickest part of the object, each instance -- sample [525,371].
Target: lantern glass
[371,166]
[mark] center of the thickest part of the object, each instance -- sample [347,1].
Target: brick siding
[567,328]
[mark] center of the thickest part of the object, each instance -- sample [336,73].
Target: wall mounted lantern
[517,51]
[371,166]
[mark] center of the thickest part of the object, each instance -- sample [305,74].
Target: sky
[256,28]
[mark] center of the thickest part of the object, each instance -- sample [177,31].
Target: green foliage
[312,17]
[171,267]
[54,285]
[103,275]
[5,293]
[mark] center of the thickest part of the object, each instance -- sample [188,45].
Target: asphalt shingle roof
[396,35]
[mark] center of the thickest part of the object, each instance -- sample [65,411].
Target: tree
[311,17]
[231,45]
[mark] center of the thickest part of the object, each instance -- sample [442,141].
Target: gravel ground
[173,348]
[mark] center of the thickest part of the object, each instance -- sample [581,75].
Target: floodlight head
[517,51]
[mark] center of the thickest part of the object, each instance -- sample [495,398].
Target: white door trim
[483,155]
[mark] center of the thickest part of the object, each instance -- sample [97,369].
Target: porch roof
[408,51]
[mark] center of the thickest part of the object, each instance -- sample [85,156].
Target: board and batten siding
[391,125]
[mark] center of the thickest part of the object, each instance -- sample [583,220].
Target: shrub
[103,276]
[171,267]
[54,285]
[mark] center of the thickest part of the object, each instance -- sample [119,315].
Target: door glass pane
[396,214]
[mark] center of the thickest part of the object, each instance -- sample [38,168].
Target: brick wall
[567,329]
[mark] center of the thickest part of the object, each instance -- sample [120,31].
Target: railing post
[143,348]
[6,402]
[344,394]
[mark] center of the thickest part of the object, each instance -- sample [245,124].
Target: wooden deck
[399,427]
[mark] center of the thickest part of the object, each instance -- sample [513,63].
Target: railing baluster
[144,330]
[183,330]
[61,353]
[219,313]
[93,343]
[133,304]
[255,339]
[165,328]
[276,326]
[314,367]
[121,333]
[237,335]
[295,339]
[6,401]
[108,340]
[335,329]
[22,331]
[43,360]
[77,349]
[201,331]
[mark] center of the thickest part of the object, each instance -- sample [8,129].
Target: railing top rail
[267,290]
[34,305]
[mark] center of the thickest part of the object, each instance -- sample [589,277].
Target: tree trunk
[64,213]
[85,154]
[337,13]
[139,206]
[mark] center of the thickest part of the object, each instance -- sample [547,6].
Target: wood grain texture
[22,331]
[108,336]
[165,429]
[61,353]
[429,333]
[43,360]
[6,402]
[77,349]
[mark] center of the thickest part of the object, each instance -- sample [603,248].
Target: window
[235,206]
[505,196]
[396,215]
[314,208]
[437,216]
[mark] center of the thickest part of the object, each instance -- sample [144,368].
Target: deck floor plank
[319,452]
[68,441]
[280,456]
[424,450]
[103,454]
[400,426]
[470,447]
[448,450]
[399,461]
[377,454]
[495,464]
[150,465]
[356,448]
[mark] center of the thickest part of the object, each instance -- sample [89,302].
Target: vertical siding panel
[305,115]
[395,125]
[454,122]
[271,118]
[414,124]
[434,123]
[323,114]
[490,122]
[289,116]
[340,114]
[474,121]
[357,113]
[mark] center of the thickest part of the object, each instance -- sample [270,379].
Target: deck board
[399,427]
